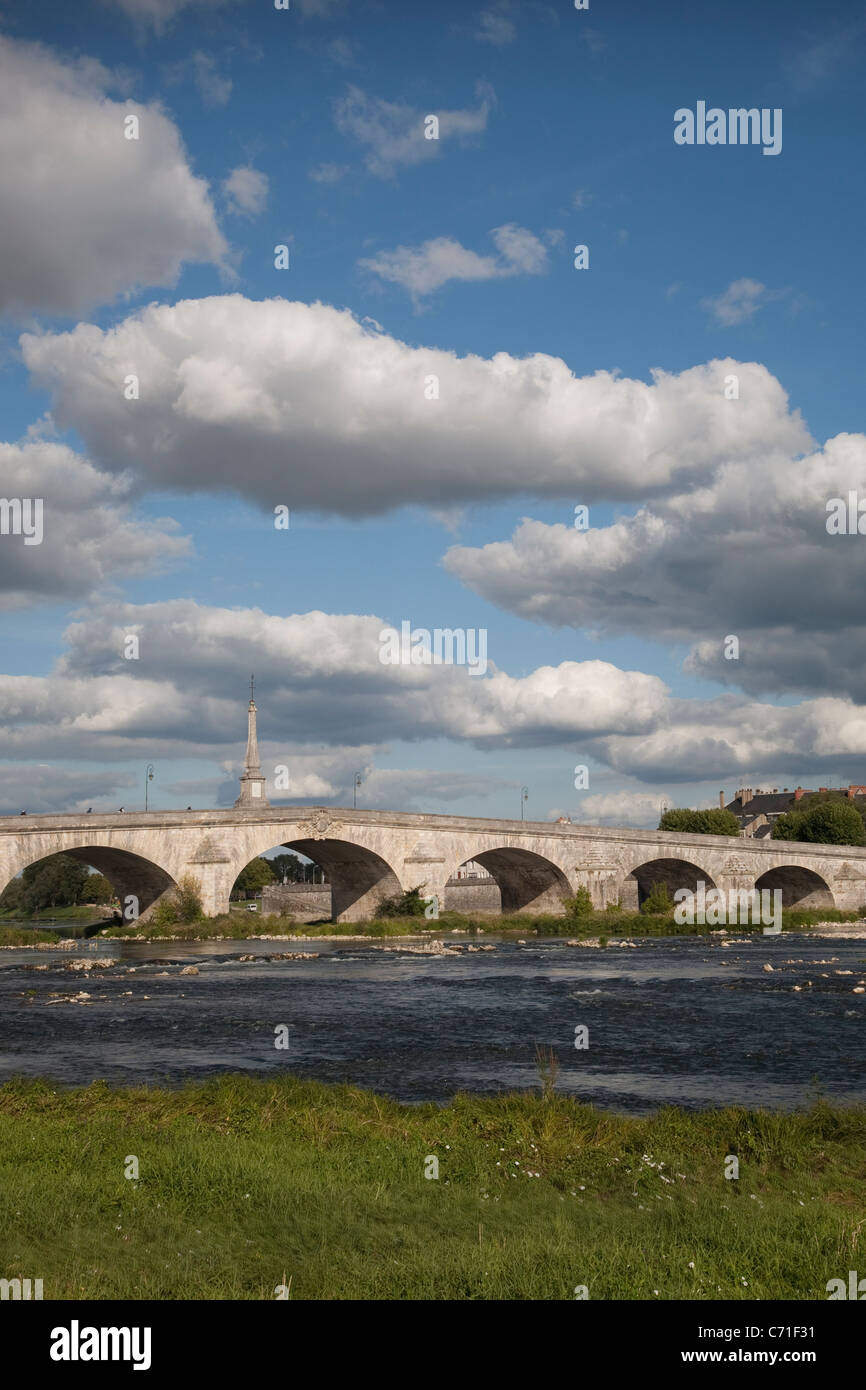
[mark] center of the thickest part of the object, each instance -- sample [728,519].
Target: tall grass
[242,1179]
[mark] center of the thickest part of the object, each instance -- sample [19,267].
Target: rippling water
[683,1021]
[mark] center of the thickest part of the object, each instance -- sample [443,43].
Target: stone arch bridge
[370,855]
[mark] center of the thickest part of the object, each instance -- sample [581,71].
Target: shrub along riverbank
[242,927]
[602,925]
[247,1184]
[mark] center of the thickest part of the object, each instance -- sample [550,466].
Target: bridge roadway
[370,855]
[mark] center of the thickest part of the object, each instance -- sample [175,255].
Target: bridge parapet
[369,855]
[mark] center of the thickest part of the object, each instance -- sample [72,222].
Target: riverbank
[246,1184]
[604,925]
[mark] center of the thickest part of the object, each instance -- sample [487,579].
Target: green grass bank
[246,1184]
[245,926]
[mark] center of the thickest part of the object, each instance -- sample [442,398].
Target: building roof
[762,804]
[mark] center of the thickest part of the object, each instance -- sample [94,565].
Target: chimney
[721,801]
[851,791]
[746,795]
[798,793]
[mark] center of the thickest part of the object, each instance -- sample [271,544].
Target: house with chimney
[758,809]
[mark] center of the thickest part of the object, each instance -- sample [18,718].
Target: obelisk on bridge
[252,781]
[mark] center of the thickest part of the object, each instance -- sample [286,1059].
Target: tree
[287,868]
[581,904]
[10,898]
[54,882]
[97,889]
[827,823]
[788,826]
[409,904]
[658,900]
[711,822]
[251,879]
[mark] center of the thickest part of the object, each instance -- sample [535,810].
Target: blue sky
[697,254]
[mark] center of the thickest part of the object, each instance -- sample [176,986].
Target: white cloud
[739,556]
[343,52]
[302,404]
[420,270]
[320,675]
[246,190]
[392,133]
[495,25]
[86,214]
[620,808]
[46,787]
[88,534]
[328,173]
[739,302]
[159,14]
[212,87]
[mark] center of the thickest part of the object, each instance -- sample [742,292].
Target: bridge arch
[527,882]
[359,878]
[673,873]
[801,887]
[130,875]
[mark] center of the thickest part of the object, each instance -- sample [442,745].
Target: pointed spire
[252,781]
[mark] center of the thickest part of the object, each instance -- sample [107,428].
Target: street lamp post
[148,777]
[356,782]
[524,797]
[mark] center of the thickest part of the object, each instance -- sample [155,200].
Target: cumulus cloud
[246,190]
[45,787]
[87,214]
[713,739]
[392,133]
[288,401]
[746,555]
[88,533]
[425,268]
[321,675]
[334,657]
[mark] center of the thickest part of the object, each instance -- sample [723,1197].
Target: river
[680,1021]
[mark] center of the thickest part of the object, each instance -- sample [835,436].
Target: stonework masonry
[370,855]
